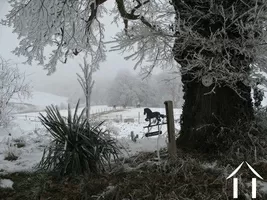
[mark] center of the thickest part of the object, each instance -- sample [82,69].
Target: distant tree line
[129,89]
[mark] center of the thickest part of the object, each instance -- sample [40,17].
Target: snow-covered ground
[264,101]
[6,183]
[28,134]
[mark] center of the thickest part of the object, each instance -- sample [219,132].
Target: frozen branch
[69,27]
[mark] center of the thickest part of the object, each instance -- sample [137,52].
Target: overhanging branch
[93,7]
[132,16]
[123,12]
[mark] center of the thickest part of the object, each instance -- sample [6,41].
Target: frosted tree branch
[69,27]
[86,81]
[154,31]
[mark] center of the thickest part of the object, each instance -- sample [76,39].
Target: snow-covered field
[31,138]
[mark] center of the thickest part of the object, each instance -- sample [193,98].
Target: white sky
[64,80]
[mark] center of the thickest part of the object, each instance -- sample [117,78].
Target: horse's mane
[147,110]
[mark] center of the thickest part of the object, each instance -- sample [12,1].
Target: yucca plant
[77,147]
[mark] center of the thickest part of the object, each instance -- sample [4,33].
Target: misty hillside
[37,101]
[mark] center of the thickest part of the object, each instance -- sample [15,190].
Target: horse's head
[146,110]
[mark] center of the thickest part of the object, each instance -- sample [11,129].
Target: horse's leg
[158,119]
[157,116]
[147,117]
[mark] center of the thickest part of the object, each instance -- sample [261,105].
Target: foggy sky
[64,80]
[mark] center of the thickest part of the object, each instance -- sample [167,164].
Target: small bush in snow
[10,156]
[77,147]
[133,136]
[11,153]
[116,120]
[111,129]
[19,142]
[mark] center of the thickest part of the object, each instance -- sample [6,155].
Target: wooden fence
[103,115]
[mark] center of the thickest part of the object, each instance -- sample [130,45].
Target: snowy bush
[111,129]
[11,84]
[11,153]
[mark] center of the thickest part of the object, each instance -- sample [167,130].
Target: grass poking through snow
[190,177]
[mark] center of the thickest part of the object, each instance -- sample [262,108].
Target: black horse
[150,115]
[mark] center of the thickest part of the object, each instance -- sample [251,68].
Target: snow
[264,101]
[212,165]
[28,130]
[6,183]
[40,99]
[35,140]
[142,145]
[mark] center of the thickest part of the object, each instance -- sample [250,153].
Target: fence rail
[103,115]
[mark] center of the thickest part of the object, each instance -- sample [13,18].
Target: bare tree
[12,83]
[122,90]
[87,83]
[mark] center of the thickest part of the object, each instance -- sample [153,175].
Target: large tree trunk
[207,114]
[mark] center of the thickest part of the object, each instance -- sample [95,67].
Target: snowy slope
[41,99]
[37,102]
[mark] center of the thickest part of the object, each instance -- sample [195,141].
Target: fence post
[121,117]
[171,129]
[138,117]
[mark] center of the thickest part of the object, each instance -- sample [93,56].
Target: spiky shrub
[77,147]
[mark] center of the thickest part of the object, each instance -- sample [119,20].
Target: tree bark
[207,114]
[204,116]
